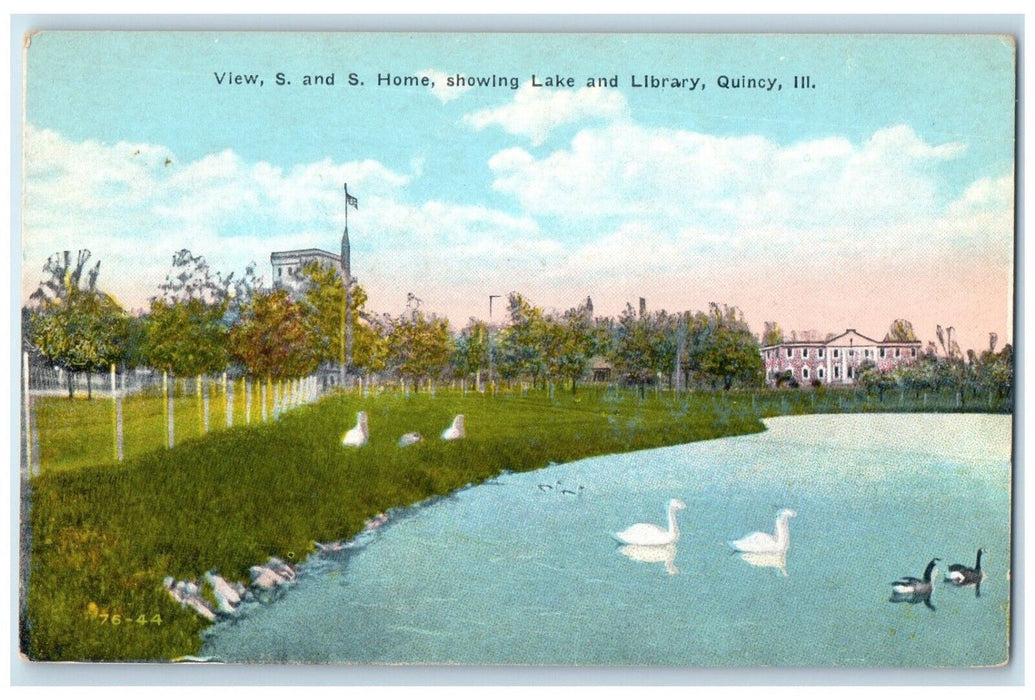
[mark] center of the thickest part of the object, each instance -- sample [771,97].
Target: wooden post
[228,389]
[27,419]
[247,401]
[170,421]
[116,416]
[263,389]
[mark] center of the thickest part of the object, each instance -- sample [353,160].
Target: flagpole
[346,269]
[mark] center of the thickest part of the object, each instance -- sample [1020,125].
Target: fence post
[170,420]
[228,393]
[262,391]
[27,420]
[247,401]
[117,415]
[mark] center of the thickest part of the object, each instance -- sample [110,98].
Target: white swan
[650,535]
[763,542]
[409,439]
[226,597]
[358,436]
[456,430]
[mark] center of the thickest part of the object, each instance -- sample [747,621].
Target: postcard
[517,349]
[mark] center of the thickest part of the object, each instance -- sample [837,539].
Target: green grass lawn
[105,535]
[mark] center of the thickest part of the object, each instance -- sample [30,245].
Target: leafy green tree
[420,345]
[772,335]
[723,349]
[272,338]
[900,331]
[471,349]
[643,346]
[323,300]
[872,379]
[522,350]
[186,330]
[73,323]
[577,343]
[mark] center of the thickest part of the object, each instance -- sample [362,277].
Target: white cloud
[536,111]
[686,178]
[133,211]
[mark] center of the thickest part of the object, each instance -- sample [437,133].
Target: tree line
[204,322]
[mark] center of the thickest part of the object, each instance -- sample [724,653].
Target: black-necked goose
[910,589]
[960,575]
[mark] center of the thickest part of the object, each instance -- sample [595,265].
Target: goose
[960,575]
[910,589]
[763,542]
[358,436]
[648,534]
[571,492]
[549,487]
[456,430]
[409,439]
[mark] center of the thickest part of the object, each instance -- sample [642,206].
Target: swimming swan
[650,535]
[358,436]
[763,542]
[456,430]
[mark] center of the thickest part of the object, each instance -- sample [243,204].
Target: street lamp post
[491,383]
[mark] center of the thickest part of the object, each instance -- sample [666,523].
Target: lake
[516,571]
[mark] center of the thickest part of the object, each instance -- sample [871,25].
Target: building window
[805,353]
[820,372]
[851,353]
[898,352]
[820,352]
[914,352]
[804,372]
[837,371]
[790,352]
[280,272]
[883,352]
[837,353]
[849,371]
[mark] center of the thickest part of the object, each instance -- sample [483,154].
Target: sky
[885,191]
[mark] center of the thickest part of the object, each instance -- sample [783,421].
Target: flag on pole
[349,199]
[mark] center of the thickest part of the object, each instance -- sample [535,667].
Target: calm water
[511,573]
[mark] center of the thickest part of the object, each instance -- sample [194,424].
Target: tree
[420,344]
[272,338]
[724,349]
[872,379]
[642,346]
[577,342]
[521,346]
[323,300]
[74,324]
[471,349]
[772,335]
[186,330]
[900,331]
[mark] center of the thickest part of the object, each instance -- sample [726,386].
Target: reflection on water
[775,560]
[651,554]
[922,596]
[511,573]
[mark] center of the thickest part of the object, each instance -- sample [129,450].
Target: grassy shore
[104,536]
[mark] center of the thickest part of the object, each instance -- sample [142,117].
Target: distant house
[287,264]
[835,360]
[599,369]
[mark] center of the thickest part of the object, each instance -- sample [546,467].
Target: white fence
[220,400]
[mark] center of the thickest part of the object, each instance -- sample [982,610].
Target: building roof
[303,252]
[849,337]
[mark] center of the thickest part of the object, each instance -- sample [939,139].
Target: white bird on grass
[651,535]
[358,436]
[763,542]
[409,439]
[456,431]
